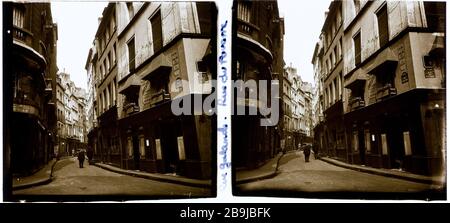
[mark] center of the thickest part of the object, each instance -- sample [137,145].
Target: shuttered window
[383,32]
[156,32]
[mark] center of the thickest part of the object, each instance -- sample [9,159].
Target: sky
[303,24]
[78,21]
[77,24]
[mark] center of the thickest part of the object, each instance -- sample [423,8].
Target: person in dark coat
[81,158]
[307,152]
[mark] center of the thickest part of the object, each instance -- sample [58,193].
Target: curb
[38,182]
[263,176]
[382,173]
[146,176]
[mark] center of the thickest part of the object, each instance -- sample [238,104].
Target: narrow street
[69,179]
[318,179]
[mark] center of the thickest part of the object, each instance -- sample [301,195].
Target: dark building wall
[258,55]
[34,77]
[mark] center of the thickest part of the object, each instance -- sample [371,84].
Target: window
[131,55]
[339,81]
[106,36]
[106,61]
[113,23]
[357,45]
[383,32]
[333,91]
[336,57]
[339,16]
[130,10]
[156,32]
[102,71]
[244,11]
[204,16]
[357,6]
[110,62]
[114,54]
[18,17]
[333,58]
[435,13]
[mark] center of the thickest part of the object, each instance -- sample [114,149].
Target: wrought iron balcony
[385,92]
[22,35]
[356,103]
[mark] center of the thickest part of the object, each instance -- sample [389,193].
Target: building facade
[387,102]
[394,74]
[32,113]
[258,55]
[103,71]
[297,97]
[71,116]
[148,55]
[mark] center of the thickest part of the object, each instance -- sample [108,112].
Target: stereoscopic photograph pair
[117,101]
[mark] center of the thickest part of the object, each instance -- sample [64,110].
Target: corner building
[394,79]
[165,51]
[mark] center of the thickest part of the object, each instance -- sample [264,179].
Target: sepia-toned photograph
[96,100]
[339,99]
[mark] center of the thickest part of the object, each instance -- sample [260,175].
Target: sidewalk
[436,180]
[268,170]
[43,176]
[159,177]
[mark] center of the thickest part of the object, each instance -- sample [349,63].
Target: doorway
[136,154]
[169,146]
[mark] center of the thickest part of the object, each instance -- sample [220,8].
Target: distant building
[102,73]
[297,97]
[327,60]
[257,55]
[31,85]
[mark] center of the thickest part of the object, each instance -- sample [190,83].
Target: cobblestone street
[92,180]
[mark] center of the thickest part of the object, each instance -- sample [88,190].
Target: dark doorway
[396,147]
[169,146]
[362,147]
[136,155]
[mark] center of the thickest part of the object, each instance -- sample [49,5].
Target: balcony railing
[159,97]
[250,30]
[385,92]
[22,35]
[131,108]
[356,103]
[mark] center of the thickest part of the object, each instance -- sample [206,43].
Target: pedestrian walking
[307,152]
[81,158]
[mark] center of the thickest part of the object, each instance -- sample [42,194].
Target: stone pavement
[43,176]
[437,180]
[159,177]
[268,170]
